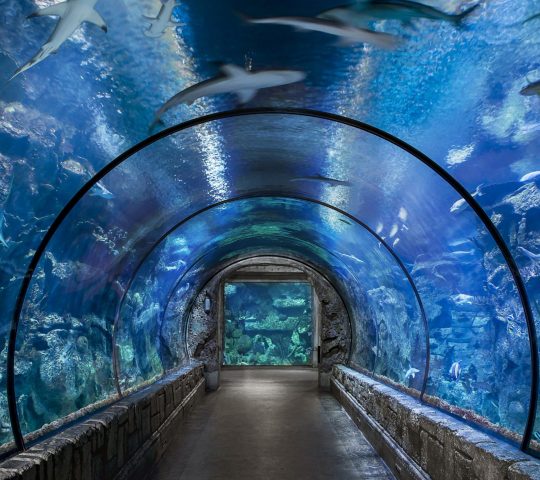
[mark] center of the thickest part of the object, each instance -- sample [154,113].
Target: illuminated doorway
[268,323]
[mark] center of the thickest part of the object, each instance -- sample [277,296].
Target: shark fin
[96,19]
[233,70]
[458,18]
[57,10]
[246,94]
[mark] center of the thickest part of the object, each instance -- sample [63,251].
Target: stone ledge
[433,443]
[113,442]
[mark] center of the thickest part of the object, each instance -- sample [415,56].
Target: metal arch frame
[243,258]
[441,172]
[277,195]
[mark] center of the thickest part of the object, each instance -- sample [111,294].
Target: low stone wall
[420,442]
[129,436]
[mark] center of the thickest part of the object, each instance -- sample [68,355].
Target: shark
[530,176]
[411,373]
[234,79]
[462,299]
[99,190]
[347,34]
[333,182]
[531,89]
[535,257]
[72,14]
[2,239]
[455,370]
[362,13]
[162,21]
[460,204]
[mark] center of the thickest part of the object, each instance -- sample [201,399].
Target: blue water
[451,92]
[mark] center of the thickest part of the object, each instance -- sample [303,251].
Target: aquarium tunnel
[397,170]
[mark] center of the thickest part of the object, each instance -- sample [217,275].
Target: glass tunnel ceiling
[451,92]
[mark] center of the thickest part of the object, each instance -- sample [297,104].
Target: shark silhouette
[72,14]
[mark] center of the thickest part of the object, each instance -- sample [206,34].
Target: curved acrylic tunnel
[233,184]
[291,226]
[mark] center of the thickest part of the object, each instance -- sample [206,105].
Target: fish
[462,299]
[531,89]
[396,241]
[404,11]
[460,204]
[333,182]
[347,34]
[99,190]
[2,238]
[460,253]
[535,257]
[394,230]
[455,370]
[403,214]
[530,176]
[234,79]
[352,257]
[72,13]
[411,373]
[379,228]
[162,21]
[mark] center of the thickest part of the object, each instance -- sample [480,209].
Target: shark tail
[156,123]
[458,19]
[245,18]
[43,53]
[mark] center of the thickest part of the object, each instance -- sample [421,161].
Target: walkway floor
[269,424]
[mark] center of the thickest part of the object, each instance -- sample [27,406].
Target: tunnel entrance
[268,322]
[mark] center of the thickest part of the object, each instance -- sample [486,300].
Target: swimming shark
[535,257]
[455,370]
[347,34]
[462,299]
[72,14]
[162,21]
[333,182]
[99,190]
[234,79]
[531,89]
[361,13]
[2,239]
[460,204]
[530,176]
[411,373]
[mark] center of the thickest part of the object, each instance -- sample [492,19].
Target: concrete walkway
[269,424]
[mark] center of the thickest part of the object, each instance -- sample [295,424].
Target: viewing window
[268,323]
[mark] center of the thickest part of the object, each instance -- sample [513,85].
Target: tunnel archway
[272,121]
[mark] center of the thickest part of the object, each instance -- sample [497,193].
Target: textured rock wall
[127,436]
[430,441]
